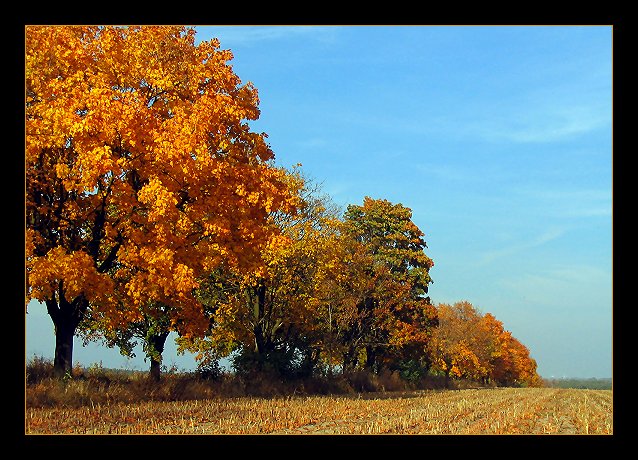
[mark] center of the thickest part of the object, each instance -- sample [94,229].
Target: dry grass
[470,411]
[99,386]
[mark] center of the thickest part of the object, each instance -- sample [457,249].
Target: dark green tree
[397,249]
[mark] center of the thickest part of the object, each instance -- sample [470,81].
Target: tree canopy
[142,173]
[469,344]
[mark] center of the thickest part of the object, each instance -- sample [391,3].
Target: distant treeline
[590,383]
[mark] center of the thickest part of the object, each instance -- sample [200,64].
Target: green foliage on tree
[393,315]
[388,233]
[151,331]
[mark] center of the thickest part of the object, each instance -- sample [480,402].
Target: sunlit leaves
[471,345]
[142,173]
[146,186]
[389,277]
[269,308]
[68,274]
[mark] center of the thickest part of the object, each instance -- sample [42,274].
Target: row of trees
[331,292]
[471,345]
[152,207]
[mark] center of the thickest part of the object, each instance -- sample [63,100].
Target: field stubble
[471,411]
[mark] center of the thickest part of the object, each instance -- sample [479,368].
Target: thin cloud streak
[541,129]
[572,286]
[246,35]
[542,239]
[515,125]
[583,203]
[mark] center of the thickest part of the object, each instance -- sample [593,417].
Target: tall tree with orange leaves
[513,365]
[389,278]
[266,316]
[142,174]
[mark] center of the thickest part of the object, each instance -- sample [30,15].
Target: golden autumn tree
[142,174]
[451,347]
[345,285]
[506,360]
[471,345]
[374,286]
[266,316]
[513,365]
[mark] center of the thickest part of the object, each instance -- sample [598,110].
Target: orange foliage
[471,345]
[143,178]
[371,287]
[141,171]
[269,308]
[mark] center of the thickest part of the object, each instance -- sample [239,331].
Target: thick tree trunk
[156,343]
[260,341]
[65,316]
[63,357]
[155,371]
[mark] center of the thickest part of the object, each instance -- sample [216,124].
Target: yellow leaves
[455,371]
[268,204]
[253,199]
[278,243]
[479,346]
[91,165]
[30,238]
[160,201]
[214,229]
[62,170]
[76,271]
[149,132]
[240,190]
[184,278]
[157,275]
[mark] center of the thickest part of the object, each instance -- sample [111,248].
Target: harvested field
[471,411]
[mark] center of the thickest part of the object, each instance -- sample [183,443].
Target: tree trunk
[156,345]
[259,309]
[65,316]
[349,360]
[155,371]
[310,360]
[371,358]
[63,358]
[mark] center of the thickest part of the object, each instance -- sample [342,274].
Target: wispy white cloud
[512,122]
[571,203]
[540,126]
[245,35]
[513,249]
[582,287]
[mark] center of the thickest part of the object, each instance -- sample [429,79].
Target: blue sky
[498,138]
